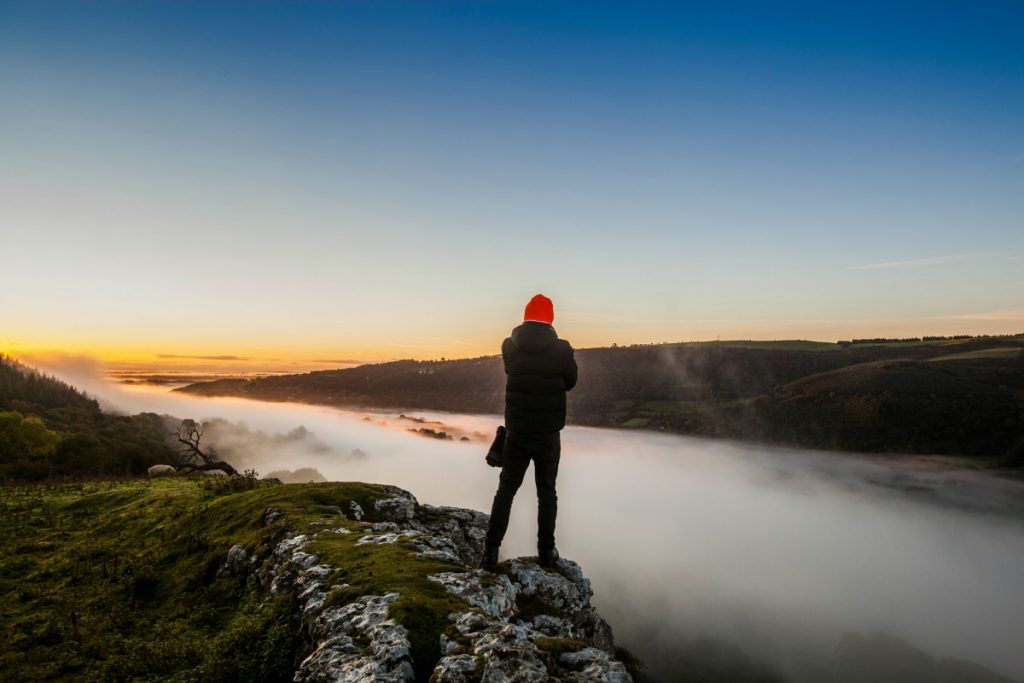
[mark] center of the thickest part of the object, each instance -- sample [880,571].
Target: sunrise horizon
[125,361]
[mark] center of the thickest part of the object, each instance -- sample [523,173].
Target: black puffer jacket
[540,369]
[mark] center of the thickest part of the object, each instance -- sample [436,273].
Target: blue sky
[386,179]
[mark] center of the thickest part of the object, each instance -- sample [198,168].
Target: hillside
[958,397]
[957,408]
[241,580]
[217,578]
[49,429]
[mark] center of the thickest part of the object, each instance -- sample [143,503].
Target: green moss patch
[559,646]
[423,606]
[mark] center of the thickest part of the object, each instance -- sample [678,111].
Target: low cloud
[69,366]
[340,361]
[246,448]
[85,373]
[911,263]
[188,357]
[1004,315]
[303,475]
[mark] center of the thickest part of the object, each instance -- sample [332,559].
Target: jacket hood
[533,336]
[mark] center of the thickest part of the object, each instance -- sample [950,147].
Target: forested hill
[48,428]
[950,396]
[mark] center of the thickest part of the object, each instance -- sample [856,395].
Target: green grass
[1003,352]
[118,580]
[774,345]
[926,342]
[559,646]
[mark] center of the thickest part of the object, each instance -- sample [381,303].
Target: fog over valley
[771,564]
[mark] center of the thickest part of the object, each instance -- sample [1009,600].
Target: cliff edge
[523,623]
[227,579]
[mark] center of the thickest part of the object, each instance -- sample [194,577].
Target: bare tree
[191,457]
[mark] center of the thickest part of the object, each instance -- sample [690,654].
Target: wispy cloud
[1003,315]
[441,343]
[911,263]
[339,361]
[187,357]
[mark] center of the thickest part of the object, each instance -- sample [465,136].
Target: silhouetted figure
[540,368]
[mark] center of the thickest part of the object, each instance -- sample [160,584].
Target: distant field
[1005,352]
[930,342]
[779,345]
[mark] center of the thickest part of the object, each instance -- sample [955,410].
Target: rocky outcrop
[526,623]
[358,642]
[522,623]
[237,562]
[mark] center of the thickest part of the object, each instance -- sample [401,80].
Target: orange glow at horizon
[275,356]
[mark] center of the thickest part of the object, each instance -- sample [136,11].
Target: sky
[320,183]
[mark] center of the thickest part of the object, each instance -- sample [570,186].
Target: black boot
[547,557]
[490,560]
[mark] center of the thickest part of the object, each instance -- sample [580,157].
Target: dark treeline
[49,429]
[926,338]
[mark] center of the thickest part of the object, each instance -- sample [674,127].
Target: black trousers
[545,450]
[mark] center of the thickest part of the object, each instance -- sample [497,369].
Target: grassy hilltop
[237,579]
[119,580]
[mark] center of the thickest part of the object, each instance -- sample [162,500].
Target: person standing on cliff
[539,369]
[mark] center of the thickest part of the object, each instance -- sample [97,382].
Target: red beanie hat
[540,310]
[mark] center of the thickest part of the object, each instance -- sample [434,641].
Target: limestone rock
[400,508]
[358,642]
[271,515]
[521,666]
[591,664]
[505,644]
[523,623]
[456,669]
[236,563]
[496,600]
[355,642]
[382,539]
[568,591]
[461,533]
